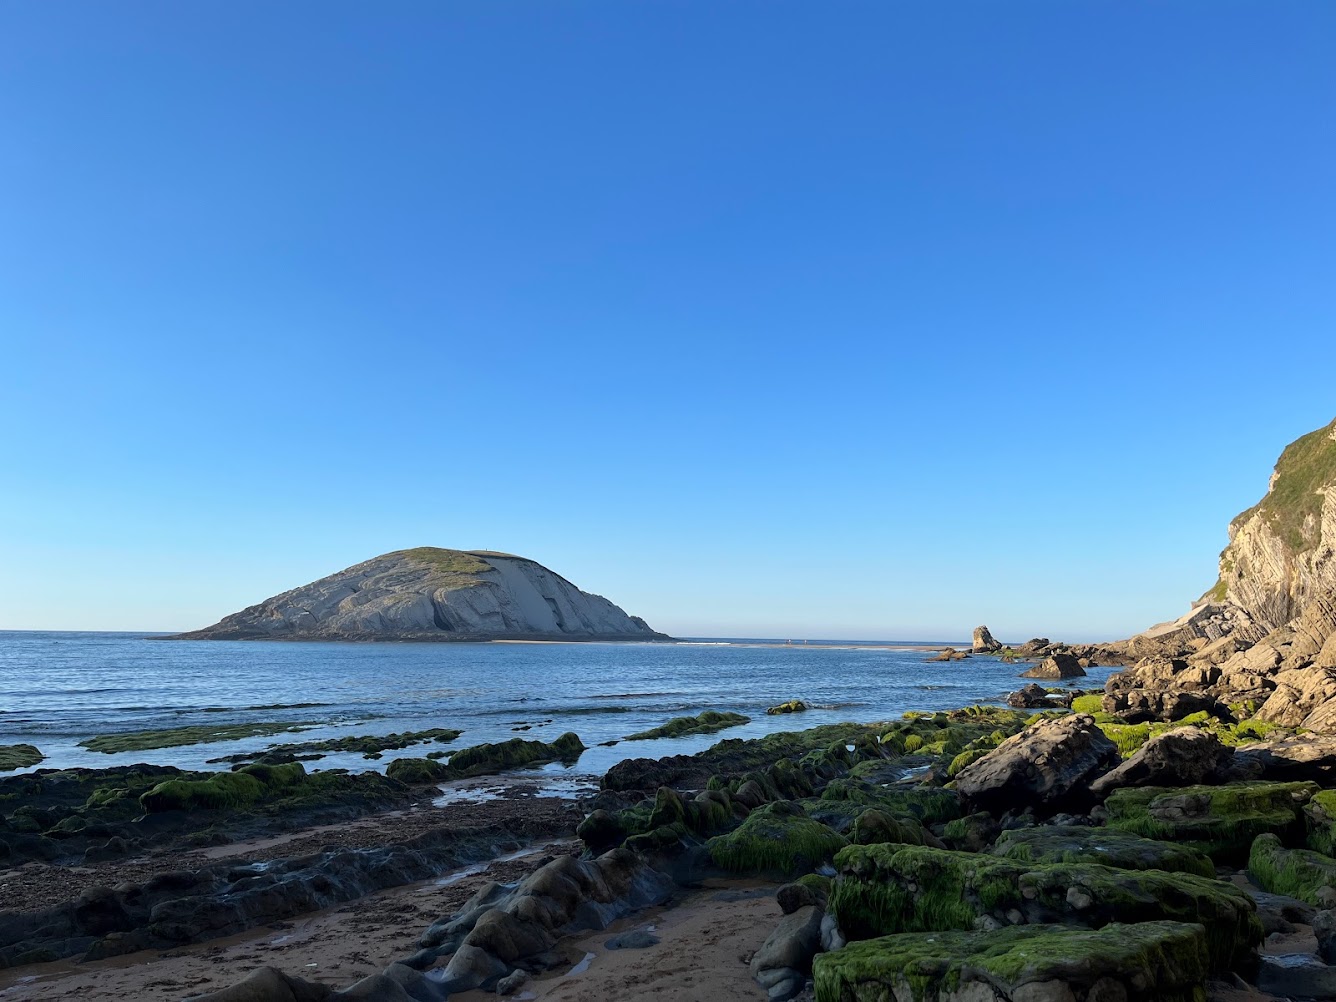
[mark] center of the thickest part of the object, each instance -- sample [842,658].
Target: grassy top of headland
[445,561]
[1307,465]
[197,734]
[704,723]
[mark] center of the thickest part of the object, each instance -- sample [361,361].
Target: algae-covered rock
[481,759]
[789,706]
[874,826]
[18,757]
[884,889]
[1220,821]
[1300,873]
[417,771]
[704,723]
[1163,961]
[972,833]
[222,790]
[777,838]
[927,804]
[1320,815]
[1107,846]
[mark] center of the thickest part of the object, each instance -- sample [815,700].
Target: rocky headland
[430,593]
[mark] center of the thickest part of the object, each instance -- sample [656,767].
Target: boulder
[1220,821]
[949,654]
[1037,647]
[778,838]
[1299,873]
[1031,697]
[1049,764]
[811,889]
[984,642]
[1107,846]
[1302,698]
[1185,756]
[1137,706]
[269,984]
[1025,963]
[786,955]
[1296,976]
[1056,667]
[1324,929]
[1309,757]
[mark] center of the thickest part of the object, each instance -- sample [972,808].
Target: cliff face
[433,594]
[1282,551]
[1265,635]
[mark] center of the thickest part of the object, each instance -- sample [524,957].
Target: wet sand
[706,941]
[337,946]
[707,938]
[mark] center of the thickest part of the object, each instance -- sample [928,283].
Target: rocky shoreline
[1008,854]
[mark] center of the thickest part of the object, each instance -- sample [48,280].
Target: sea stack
[430,593]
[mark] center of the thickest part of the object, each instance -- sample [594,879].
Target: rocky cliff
[1282,551]
[434,594]
[1263,639]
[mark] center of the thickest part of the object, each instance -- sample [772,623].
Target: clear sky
[842,319]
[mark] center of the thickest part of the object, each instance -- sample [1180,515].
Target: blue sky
[760,318]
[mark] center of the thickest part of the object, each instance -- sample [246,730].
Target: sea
[58,689]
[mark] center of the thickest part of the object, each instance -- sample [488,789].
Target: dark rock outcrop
[1058,666]
[1045,766]
[984,643]
[1185,756]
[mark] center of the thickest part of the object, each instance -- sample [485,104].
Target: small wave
[633,695]
[836,706]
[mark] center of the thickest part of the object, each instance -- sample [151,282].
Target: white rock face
[434,594]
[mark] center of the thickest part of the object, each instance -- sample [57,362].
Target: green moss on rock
[18,757]
[885,889]
[1107,846]
[1164,961]
[513,754]
[1320,816]
[417,771]
[789,706]
[180,736]
[703,723]
[776,838]
[1300,873]
[1220,821]
[927,804]
[875,826]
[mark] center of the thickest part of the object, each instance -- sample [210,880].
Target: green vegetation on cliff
[1306,465]
[446,561]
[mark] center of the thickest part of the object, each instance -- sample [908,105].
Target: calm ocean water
[59,688]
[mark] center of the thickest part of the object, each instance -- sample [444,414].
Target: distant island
[430,593]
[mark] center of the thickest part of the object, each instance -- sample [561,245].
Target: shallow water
[59,688]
